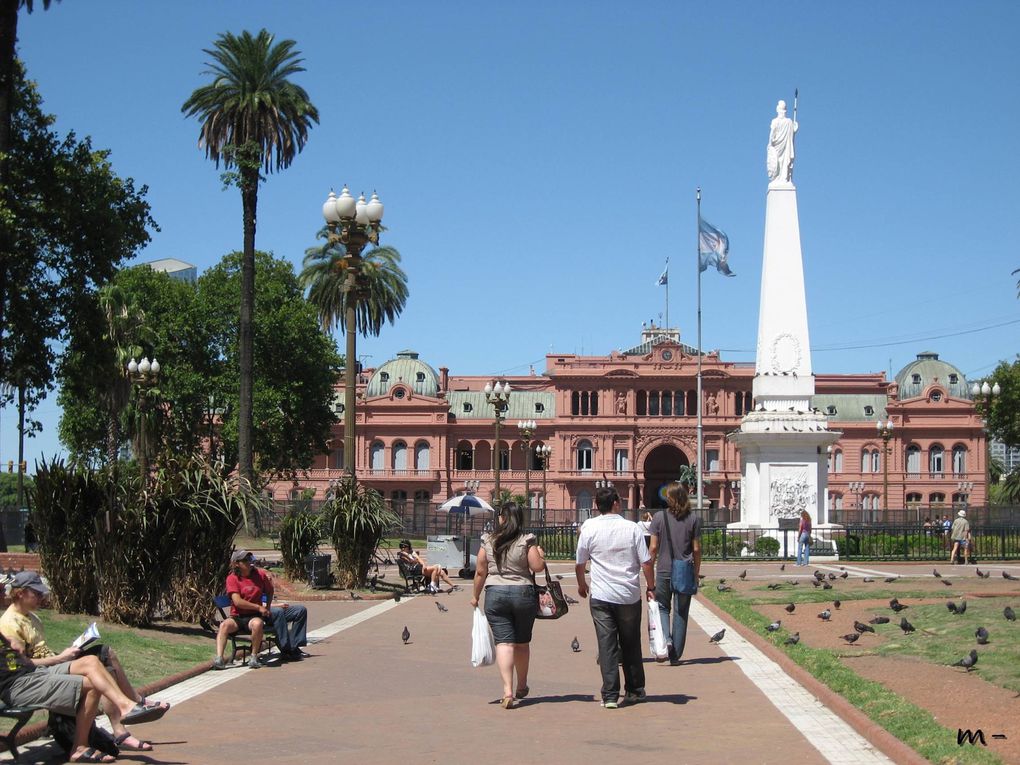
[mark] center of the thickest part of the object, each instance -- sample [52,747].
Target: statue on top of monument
[779,157]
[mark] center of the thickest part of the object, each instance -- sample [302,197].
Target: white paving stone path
[828,733]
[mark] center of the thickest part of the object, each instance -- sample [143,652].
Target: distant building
[1009,456]
[630,416]
[176,269]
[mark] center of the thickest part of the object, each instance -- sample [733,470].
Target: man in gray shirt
[616,549]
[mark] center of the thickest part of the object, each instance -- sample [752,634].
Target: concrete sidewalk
[363,696]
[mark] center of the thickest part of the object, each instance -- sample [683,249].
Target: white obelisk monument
[782,441]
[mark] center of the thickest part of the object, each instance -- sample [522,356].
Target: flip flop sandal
[142,714]
[92,755]
[122,742]
[160,704]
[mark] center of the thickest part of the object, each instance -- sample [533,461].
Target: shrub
[766,547]
[356,518]
[300,532]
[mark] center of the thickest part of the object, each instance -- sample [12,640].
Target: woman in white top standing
[507,562]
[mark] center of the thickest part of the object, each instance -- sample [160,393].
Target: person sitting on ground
[960,535]
[251,596]
[20,625]
[419,565]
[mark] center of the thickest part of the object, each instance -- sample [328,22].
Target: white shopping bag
[483,647]
[656,640]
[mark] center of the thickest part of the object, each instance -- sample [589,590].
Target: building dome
[408,370]
[928,370]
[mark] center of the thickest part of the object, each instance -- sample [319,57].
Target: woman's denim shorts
[511,610]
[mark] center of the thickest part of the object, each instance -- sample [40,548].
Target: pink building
[630,417]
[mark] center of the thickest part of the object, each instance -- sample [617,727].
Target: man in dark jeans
[616,549]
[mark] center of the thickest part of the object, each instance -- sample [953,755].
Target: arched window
[836,461]
[575,403]
[936,460]
[642,403]
[959,460]
[376,452]
[583,500]
[866,460]
[399,502]
[667,404]
[584,455]
[465,456]
[421,455]
[914,498]
[678,404]
[337,460]
[422,498]
[914,459]
[399,455]
[653,403]
[692,403]
[936,499]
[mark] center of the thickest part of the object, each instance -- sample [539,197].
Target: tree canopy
[1004,418]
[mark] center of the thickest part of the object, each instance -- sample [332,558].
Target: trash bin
[317,568]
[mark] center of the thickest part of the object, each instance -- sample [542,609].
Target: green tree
[1003,421]
[380,288]
[252,117]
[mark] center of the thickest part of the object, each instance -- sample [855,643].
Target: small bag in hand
[483,646]
[551,603]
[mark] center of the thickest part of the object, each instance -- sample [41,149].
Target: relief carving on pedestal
[786,353]
[789,494]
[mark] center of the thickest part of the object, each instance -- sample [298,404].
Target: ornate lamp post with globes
[352,224]
[498,395]
[987,393]
[545,452]
[144,376]
[885,431]
[527,430]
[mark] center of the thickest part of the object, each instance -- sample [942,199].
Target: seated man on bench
[22,684]
[251,595]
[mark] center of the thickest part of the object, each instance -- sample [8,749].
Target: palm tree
[125,331]
[380,290]
[253,118]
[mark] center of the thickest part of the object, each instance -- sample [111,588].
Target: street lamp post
[498,395]
[144,376]
[527,431]
[545,452]
[602,483]
[963,488]
[857,487]
[987,393]
[885,431]
[352,224]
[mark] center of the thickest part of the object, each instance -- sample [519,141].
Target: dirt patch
[972,703]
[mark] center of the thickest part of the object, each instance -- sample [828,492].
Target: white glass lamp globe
[144,366]
[329,209]
[132,366]
[346,206]
[154,367]
[361,211]
[374,208]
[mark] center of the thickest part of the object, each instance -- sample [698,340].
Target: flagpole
[701,444]
[667,297]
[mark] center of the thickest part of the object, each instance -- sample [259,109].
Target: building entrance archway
[662,466]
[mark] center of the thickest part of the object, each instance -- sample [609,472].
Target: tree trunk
[112,439]
[246,349]
[8,38]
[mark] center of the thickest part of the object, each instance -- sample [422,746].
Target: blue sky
[538,162]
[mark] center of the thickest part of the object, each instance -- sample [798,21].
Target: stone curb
[874,733]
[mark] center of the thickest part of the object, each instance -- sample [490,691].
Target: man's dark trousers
[618,631]
[296,619]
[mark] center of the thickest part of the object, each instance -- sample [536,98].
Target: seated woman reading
[419,565]
[20,625]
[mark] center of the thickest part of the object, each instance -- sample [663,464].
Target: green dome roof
[928,370]
[408,370]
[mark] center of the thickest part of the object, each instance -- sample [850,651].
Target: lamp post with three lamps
[885,431]
[527,430]
[144,376]
[857,487]
[498,396]
[987,393]
[545,452]
[352,224]
[602,483]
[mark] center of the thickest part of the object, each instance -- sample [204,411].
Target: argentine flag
[713,248]
[664,278]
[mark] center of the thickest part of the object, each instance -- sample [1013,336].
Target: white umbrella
[468,504]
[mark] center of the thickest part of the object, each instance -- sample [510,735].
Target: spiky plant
[300,533]
[356,518]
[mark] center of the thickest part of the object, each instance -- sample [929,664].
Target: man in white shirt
[616,549]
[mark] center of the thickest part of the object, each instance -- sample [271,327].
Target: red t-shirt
[250,588]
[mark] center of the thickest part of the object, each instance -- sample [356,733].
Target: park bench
[242,638]
[21,716]
[414,581]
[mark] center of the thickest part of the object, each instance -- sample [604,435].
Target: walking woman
[507,562]
[804,538]
[676,534]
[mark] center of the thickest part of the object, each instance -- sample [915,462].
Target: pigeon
[946,582]
[718,636]
[774,586]
[722,581]
[862,628]
[790,608]
[570,600]
[852,637]
[793,639]
[441,607]
[832,576]
[837,604]
[962,609]
[896,606]
[906,626]
[868,579]
[783,567]
[842,568]
[559,576]
[889,579]
[825,615]
[819,575]
[935,573]
[815,583]
[724,588]
[952,607]
[354,595]
[1008,613]
[574,645]
[743,575]
[373,582]
[879,620]
[795,583]
[982,636]
[982,574]
[844,575]
[775,625]
[1010,577]
[826,586]
[700,577]
[405,635]
[967,662]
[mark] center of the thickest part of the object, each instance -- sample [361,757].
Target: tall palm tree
[125,331]
[380,290]
[253,118]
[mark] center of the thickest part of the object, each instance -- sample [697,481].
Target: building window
[830,409]
[959,500]
[421,455]
[642,403]
[712,458]
[692,403]
[667,404]
[584,455]
[936,499]
[419,376]
[959,460]
[936,396]
[953,379]
[837,501]
[621,463]
[593,403]
[399,393]
[915,379]
[399,450]
[468,407]
[338,458]
[871,461]
[399,502]
[678,404]
[936,460]
[914,498]
[583,500]
[866,461]
[384,376]
[504,458]
[738,404]
[653,403]
[575,403]
[869,410]
[914,459]
[422,499]
[539,407]
[465,456]
[584,403]
[836,461]
[376,452]
[748,402]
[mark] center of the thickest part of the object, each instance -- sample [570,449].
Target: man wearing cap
[251,595]
[960,535]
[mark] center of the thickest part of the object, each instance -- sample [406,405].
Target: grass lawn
[911,724]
